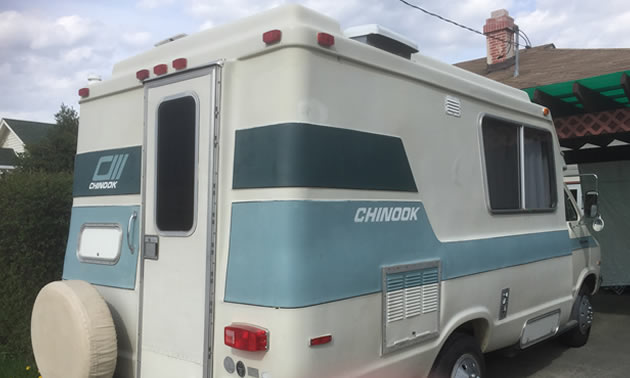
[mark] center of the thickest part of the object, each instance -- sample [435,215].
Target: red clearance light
[272,36]
[325,39]
[84,92]
[142,75]
[160,69]
[321,340]
[180,64]
[245,337]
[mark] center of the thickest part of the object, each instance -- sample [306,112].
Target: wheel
[583,313]
[460,357]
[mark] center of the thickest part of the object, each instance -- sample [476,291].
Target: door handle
[132,221]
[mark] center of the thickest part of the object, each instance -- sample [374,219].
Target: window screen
[176,142]
[519,166]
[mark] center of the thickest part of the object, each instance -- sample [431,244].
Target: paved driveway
[607,354]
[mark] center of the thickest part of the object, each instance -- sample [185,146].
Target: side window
[519,166]
[176,157]
[569,209]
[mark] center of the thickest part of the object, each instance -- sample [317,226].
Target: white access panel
[100,243]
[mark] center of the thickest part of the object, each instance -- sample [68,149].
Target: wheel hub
[466,367]
[585,316]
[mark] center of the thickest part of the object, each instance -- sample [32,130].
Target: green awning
[597,93]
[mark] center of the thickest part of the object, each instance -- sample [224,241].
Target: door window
[176,164]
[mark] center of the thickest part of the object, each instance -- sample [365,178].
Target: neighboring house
[588,93]
[15,135]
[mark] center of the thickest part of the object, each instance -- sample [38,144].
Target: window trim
[193,228]
[521,164]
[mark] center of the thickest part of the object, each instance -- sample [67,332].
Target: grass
[16,368]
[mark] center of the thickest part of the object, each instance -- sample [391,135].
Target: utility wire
[522,34]
[461,25]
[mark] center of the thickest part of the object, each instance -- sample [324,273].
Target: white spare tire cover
[72,332]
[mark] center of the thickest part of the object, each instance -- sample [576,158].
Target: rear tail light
[246,337]
[84,92]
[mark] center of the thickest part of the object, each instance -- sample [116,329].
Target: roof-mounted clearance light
[325,39]
[272,36]
[84,92]
[142,75]
[180,63]
[246,337]
[160,69]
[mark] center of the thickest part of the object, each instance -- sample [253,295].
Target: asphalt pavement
[606,355]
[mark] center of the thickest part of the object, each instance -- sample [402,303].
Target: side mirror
[591,207]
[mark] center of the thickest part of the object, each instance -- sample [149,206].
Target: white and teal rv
[277,199]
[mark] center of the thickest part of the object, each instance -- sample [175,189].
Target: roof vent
[383,38]
[171,39]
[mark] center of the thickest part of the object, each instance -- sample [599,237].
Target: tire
[583,313]
[72,332]
[460,357]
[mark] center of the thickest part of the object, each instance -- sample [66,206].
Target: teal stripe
[301,253]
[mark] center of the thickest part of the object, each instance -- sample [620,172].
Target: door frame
[213,69]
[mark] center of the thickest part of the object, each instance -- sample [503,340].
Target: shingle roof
[546,64]
[7,156]
[30,132]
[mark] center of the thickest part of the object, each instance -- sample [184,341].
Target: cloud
[152,4]
[45,60]
[136,38]
[577,24]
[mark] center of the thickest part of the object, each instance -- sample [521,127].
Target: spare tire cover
[72,332]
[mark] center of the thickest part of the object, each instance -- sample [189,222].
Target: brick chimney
[499,32]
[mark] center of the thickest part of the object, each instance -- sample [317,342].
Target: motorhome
[275,198]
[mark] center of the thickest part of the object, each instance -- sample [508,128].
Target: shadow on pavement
[525,363]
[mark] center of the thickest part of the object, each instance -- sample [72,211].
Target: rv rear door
[176,290]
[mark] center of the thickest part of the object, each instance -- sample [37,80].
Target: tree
[55,153]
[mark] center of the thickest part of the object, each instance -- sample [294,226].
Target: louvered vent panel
[453,106]
[429,298]
[395,306]
[411,293]
[411,302]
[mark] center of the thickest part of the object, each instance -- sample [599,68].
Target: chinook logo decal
[104,178]
[108,172]
[386,214]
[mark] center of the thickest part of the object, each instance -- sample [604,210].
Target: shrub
[34,219]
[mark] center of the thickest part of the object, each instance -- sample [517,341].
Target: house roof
[28,131]
[7,156]
[546,64]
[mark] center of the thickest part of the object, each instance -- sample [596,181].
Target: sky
[48,48]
